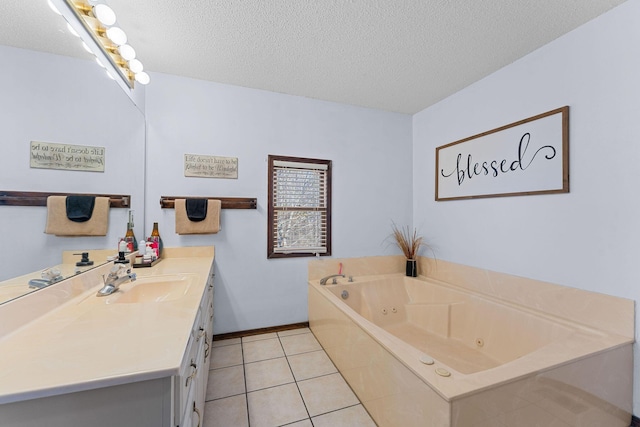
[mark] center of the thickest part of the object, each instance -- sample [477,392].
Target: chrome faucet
[118,275]
[323,281]
[49,277]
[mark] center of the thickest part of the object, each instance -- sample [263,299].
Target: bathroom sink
[153,289]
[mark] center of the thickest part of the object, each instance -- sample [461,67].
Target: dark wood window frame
[272,252]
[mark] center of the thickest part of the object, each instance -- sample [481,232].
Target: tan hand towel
[210,225]
[60,225]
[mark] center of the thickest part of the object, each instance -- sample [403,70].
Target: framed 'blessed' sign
[523,158]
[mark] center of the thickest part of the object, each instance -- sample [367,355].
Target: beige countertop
[89,342]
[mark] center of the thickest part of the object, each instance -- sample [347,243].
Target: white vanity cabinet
[191,384]
[128,365]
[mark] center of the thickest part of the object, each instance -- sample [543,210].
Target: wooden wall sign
[523,158]
[48,155]
[199,165]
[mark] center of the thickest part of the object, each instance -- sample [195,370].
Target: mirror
[54,92]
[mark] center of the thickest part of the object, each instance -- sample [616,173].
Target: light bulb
[53,7]
[104,14]
[135,66]
[71,30]
[117,36]
[109,75]
[142,78]
[127,52]
[100,63]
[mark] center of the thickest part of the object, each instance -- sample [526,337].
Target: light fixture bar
[82,17]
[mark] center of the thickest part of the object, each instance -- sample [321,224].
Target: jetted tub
[420,352]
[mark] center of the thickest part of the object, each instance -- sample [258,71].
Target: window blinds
[300,214]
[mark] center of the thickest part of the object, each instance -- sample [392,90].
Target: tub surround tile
[600,311]
[326,394]
[348,417]
[256,351]
[303,343]
[276,406]
[355,267]
[225,382]
[268,373]
[230,411]
[311,365]
[222,357]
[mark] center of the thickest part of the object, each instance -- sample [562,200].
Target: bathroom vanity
[138,357]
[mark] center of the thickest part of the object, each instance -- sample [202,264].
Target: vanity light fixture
[96,24]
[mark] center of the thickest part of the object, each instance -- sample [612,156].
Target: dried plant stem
[409,242]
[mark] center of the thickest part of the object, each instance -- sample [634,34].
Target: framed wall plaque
[527,157]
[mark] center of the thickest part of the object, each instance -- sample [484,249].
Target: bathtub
[422,352]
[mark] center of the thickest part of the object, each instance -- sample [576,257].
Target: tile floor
[278,379]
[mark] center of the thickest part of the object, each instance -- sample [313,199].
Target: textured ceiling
[396,55]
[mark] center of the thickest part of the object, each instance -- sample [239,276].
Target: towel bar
[168,202]
[33,198]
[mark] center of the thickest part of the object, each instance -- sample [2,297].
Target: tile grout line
[296,382]
[246,392]
[244,376]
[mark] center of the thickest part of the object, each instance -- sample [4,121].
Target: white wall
[371,154]
[57,99]
[588,238]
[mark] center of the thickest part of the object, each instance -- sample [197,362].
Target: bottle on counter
[156,240]
[129,237]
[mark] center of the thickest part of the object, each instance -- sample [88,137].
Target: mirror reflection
[50,96]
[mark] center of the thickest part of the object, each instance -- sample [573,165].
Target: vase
[412,268]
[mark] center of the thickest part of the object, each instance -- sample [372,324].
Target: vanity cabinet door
[197,384]
[189,371]
[192,382]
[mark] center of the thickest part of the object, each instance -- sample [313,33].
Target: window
[299,207]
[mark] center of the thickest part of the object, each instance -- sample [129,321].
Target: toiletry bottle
[130,238]
[149,254]
[156,240]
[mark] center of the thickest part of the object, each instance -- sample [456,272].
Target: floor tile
[311,365]
[231,411]
[222,343]
[354,416]
[225,382]
[302,343]
[228,355]
[259,337]
[303,423]
[276,406]
[294,332]
[268,373]
[326,394]
[255,351]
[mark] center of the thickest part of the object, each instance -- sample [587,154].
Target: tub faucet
[118,275]
[323,281]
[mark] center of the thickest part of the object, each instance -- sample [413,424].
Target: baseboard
[259,331]
[635,421]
